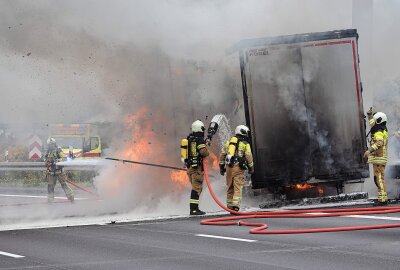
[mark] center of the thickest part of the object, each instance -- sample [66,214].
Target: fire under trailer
[303,103]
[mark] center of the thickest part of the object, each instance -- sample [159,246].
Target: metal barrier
[40,166]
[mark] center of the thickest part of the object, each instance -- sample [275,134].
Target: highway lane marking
[226,238]
[35,196]
[11,255]
[361,216]
[373,217]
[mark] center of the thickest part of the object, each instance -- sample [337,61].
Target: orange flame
[303,186]
[143,138]
[215,161]
[145,145]
[180,177]
[308,186]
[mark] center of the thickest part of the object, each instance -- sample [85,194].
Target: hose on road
[261,228]
[82,188]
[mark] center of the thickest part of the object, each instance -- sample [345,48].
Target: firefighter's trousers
[234,186]
[196,177]
[379,179]
[52,178]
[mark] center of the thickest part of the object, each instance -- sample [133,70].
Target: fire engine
[77,140]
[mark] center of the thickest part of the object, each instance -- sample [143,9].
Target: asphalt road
[185,244]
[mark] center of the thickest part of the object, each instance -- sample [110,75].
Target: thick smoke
[101,61]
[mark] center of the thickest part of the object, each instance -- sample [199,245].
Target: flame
[145,144]
[143,139]
[180,177]
[303,186]
[308,186]
[215,161]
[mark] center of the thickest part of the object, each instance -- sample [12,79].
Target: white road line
[373,217]
[226,238]
[362,216]
[11,255]
[34,196]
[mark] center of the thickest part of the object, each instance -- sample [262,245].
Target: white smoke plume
[96,60]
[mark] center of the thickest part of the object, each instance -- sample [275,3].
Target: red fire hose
[82,188]
[260,228]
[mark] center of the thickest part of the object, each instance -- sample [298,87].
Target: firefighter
[194,149]
[377,152]
[235,159]
[54,172]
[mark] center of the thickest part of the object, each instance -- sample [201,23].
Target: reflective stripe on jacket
[378,148]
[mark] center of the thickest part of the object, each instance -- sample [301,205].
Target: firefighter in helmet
[377,152]
[235,159]
[193,149]
[54,172]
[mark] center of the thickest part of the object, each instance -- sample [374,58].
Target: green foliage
[38,178]
[28,178]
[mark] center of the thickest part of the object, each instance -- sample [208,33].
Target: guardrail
[40,166]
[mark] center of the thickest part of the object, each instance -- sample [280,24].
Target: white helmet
[242,130]
[198,126]
[51,140]
[380,118]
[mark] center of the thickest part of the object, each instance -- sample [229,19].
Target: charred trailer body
[303,103]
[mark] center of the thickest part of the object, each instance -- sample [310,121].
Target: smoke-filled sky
[94,60]
[82,61]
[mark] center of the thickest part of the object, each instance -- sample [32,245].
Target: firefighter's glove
[222,170]
[370,111]
[184,163]
[208,142]
[367,153]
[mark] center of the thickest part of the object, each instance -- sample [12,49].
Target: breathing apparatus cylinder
[184,150]
[231,151]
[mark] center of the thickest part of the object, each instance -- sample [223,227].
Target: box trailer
[303,104]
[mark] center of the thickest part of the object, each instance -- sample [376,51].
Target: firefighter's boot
[234,208]
[382,197]
[194,204]
[197,212]
[71,198]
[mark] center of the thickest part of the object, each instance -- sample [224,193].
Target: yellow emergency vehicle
[77,140]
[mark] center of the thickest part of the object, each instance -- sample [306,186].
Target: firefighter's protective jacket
[197,149]
[52,157]
[378,148]
[242,153]
[378,144]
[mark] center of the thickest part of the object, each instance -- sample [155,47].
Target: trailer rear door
[303,104]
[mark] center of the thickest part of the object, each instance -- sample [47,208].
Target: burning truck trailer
[303,103]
